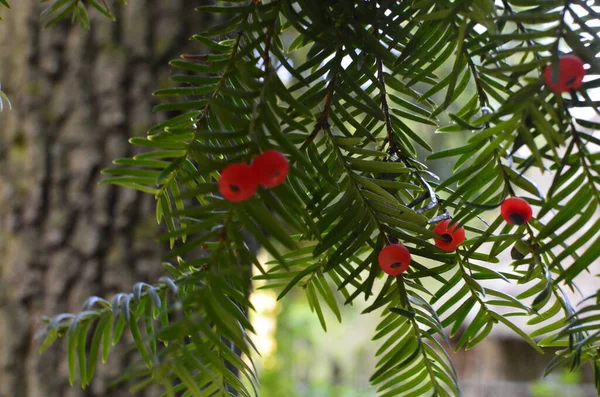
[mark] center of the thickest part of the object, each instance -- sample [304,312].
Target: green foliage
[556,387]
[4,98]
[186,330]
[341,101]
[77,10]
[4,4]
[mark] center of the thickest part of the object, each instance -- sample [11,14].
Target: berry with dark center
[516,211]
[394,259]
[570,74]
[450,237]
[271,168]
[238,182]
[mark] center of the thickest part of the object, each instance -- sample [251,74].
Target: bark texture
[77,97]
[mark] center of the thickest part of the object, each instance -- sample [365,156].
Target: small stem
[582,159]
[404,302]
[483,98]
[323,121]
[385,109]
[106,6]
[473,293]
[394,147]
[268,41]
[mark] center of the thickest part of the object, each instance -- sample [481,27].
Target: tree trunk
[77,97]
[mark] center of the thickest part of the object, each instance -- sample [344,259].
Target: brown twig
[106,6]
[323,121]
[385,109]
[268,41]
[394,147]
[195,57]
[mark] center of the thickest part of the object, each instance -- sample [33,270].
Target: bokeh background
[78,96]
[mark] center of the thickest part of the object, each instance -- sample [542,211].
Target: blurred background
[77,97]
[301,360]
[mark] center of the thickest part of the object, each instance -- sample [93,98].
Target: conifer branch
[394,148]
[323,120]
[367,167]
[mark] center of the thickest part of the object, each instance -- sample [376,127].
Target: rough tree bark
[77,97]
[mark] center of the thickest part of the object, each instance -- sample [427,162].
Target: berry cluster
[239,181]
[570,74]
[394,259]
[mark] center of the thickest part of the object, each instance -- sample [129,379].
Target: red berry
[570,75]
[271,168]
[516,211]
[238,182]
[451,237]
[394,259]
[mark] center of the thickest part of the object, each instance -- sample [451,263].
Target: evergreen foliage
[361,73]
[4,99]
